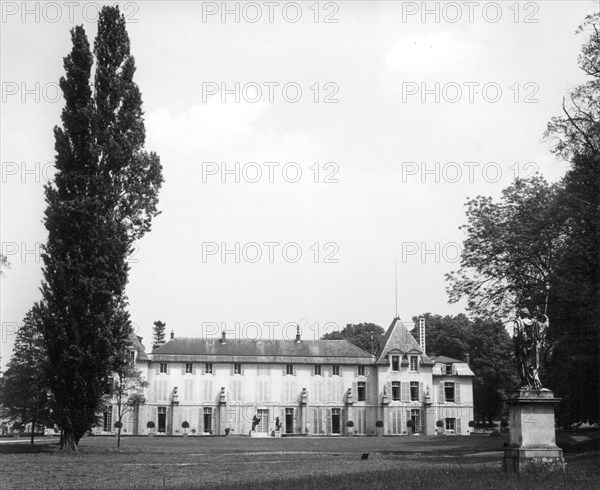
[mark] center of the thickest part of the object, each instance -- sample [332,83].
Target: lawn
[298,463]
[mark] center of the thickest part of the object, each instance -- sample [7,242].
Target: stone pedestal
[532,433]
[429,414]
[385,402]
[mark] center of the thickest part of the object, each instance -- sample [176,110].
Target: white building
[309,387]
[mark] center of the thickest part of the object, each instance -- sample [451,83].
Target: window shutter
[183,369]
[242,369]
[203,368]
[327,421]
[388,388]
[284,371]
[194,368]
[367,392]
[404,391]
[330,369]
[231,370]
[407,419]
[458,427]
[356,371]
[312,372]
[366,370]
[294,369]
[168,368]
[457,392]
[442,398]
[354,391]
[421,394]
[158,368]
[419,364]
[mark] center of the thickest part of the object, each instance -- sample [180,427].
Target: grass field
[298,463]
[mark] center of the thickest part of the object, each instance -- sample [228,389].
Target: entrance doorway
[415,416]
[289,420]
[208,413]
[335,420]
[107,425]
[263,415]
[162,419]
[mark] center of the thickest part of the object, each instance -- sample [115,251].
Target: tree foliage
[539,246]
[24,388]
[491,356]
[367,336]
[159,330]
[102,198]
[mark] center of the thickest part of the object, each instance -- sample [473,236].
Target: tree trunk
[32,430]
[119,437]
[68,442]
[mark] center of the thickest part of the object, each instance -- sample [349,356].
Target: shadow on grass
[26,448]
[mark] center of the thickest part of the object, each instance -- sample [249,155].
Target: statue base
[532,433]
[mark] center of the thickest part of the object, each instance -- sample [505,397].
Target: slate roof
[399,338]
[243,350]
[461,368]
[446,360]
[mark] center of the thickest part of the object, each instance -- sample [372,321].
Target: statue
[529,337]
[255,422]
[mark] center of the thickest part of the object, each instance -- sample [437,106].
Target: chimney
[223,341]
[422,334]
[297,333]
[468,358]
[172,334]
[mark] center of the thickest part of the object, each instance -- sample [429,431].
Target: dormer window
[448,369]
[414,363]
[395,363]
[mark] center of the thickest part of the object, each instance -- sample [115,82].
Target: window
[208,368]
[449,391]
[362,391]
[335,370]
[317,370]
[289,369]
[361,370]
[414,391]
[395,363]
[132,355]
[163,367]
[451,424]
[107,422]
[414,363]
[189,368]
[237,369]
[162,419]
[396,390]
[448,369]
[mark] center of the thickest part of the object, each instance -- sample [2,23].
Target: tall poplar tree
[102,199]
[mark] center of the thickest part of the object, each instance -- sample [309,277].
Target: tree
[159,333]
[127,383]
[24,387]
[101,200]
[3,264]
[367,336]
[539,246]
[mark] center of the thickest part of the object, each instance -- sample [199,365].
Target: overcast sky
[340,113]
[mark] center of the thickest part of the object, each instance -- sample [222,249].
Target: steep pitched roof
[242,350]
[398,338]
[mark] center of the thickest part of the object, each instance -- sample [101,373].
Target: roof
[136,343]
[244,350]
[398,338]
[446,360]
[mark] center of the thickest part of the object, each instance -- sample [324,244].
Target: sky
[317,156]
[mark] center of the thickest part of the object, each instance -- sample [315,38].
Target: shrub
[471,423]
[410,423]
[379,423]
[185,424]
[504,423]
[440,423]
[349,423]
[150,424]
[118,424]
[495,433]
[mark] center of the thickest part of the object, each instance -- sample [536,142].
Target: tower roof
[398,338]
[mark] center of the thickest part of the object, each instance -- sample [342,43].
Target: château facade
[311,387]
